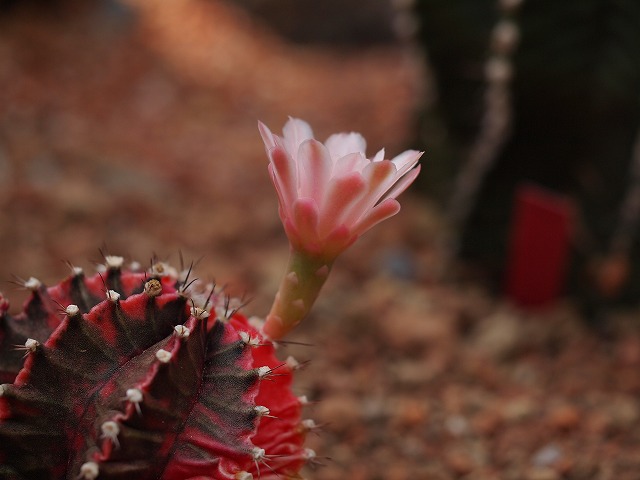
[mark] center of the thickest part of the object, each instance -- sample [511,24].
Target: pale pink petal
[282,214]
[267,136]
[387,208]
[305,218]
[292,234]
[353,162]
[341,193]
[341,144]
[379,178]
[285,174]
[337,241]
[295,132]
[406,161]
[379,156]
[281,201]
[315,170]
[404,183]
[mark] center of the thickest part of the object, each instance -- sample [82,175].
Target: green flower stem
[304,277]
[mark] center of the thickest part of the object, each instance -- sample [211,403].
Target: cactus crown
[130,374]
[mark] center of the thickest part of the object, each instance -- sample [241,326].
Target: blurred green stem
[303,279]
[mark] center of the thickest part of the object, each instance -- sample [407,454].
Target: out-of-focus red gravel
[135,131]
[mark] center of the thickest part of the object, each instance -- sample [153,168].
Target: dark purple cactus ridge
[141,375]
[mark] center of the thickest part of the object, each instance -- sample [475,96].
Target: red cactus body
[126,375]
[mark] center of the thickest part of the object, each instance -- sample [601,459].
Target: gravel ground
[134,130]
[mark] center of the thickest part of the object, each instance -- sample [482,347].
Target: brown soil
[136,132]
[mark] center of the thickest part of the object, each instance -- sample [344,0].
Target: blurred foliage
[345,22]
[576,102]
[454,35]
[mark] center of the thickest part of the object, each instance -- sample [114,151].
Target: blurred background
[490,330]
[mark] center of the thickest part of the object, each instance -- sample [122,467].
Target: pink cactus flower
[331,193]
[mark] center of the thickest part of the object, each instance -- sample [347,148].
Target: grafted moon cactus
[140,375]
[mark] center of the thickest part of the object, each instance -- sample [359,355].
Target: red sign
[539,246]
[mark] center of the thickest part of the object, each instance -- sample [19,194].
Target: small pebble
[565,417]
[457,425]
[546,456]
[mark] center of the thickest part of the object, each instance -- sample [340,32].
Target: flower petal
[379,156]
[406,161]
[340,195]
[337,241]
[281,201]
[385,209]
[267,136]
[379,177]
[295,132]
[341,144]
[285,174]
[404,183]
[353,162]
[314,169]
[305,219]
